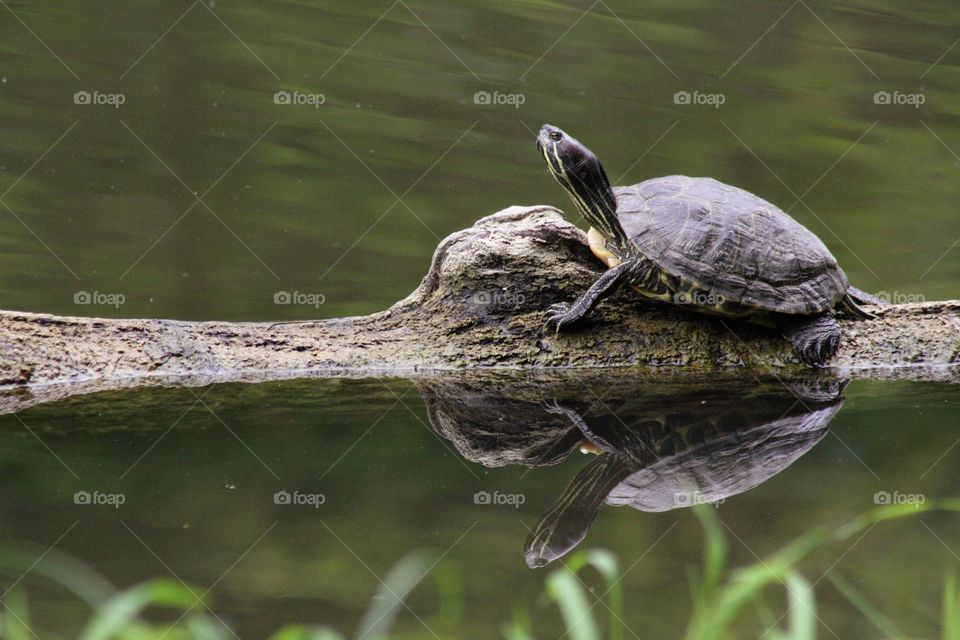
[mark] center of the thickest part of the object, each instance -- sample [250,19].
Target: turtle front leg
[596,442]
[815,339]
[564,315]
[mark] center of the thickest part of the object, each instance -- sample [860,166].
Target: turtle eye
[555,135]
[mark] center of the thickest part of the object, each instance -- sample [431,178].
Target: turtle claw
[818,352]
[558,316]
[553,406]
[815,339]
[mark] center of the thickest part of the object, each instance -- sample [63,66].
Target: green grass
[718,604]
[721,596]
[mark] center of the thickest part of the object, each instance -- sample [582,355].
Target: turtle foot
[815,340]
[559,316]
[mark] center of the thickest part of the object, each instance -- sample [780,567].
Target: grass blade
[608,567]
[714,549]
[518,628]
[65,570]
[951,607]
[389,599]
[871,613]
[124,608]
[565,589]
[803,608]
[16,620]
[305,632]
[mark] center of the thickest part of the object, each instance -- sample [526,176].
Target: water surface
[199,481]
[346,201]
[304,198]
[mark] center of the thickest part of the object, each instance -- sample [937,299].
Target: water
[199,480]
[297,198]
[311,207]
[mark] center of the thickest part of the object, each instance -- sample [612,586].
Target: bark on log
[480,305]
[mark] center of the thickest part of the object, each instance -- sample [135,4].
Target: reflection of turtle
[493,424]
[665,441]
[702,446]
[705,244]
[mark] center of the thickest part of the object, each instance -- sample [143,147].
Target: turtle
[705,245]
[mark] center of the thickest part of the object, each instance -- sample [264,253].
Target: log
[481,304]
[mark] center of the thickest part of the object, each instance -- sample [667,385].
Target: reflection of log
[480,304]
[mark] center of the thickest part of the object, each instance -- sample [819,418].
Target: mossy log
[481,304]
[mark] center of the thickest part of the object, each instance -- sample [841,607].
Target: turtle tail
[862,297]
[849,305]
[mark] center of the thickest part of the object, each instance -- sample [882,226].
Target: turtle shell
[726,243]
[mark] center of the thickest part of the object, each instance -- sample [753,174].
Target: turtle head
[568,521]
[579,171]
[566,156]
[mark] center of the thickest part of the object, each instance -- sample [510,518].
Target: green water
[311,207]
[346,201]
[199,480]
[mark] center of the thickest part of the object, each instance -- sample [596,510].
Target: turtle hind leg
[815,339]
[563,315]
